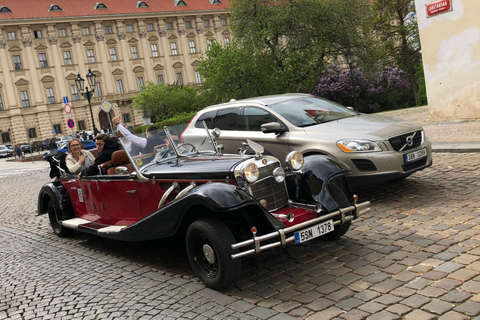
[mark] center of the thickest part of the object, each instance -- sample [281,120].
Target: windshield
[307,111]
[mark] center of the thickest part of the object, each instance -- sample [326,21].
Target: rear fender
[311,185]
[55,192]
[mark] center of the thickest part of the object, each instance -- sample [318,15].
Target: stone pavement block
[386,286]
[466,258]
[463,274]
[431,292]
[415,301]
[419,283]
[286,306]
[447,283]
[372,307]
[405,276]
[367,295]
[419,315]
[340,294]
[438,307]
[452,315]
[470,308]
[399,309]
[354,315]
[434,275]
[320,304]
[448,267]
[327,314]
[387,299]
[384,315]
[456,296]
[471,286]
[349,304]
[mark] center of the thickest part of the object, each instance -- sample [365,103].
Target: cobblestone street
[415,255]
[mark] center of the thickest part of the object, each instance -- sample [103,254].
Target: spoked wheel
[341,199]
[209,251]
[54,216]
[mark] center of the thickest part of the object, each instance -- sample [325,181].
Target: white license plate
[416,155]
[314,231]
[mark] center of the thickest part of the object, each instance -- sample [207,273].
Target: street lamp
[348,56]
[86,93]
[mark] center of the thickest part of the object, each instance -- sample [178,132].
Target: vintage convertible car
[227,206]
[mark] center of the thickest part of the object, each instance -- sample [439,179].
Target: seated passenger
[106,146]
[78,160]
[146,145]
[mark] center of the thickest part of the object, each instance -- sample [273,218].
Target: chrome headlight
[356,145]
[294,160]
[279,174]
[250,172]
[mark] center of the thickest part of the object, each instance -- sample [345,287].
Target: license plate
[416,155]
[314,231]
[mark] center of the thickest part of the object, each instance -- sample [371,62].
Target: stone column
[102,52]
[165,44]
[146,52]
[125,50]
[9,96]
[36,95]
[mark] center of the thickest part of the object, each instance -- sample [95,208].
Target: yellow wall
[451,58]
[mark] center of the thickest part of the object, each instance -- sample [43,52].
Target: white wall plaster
[424,22]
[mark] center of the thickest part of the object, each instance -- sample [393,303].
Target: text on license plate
[416,155]
[314,231]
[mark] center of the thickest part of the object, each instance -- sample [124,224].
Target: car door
[250,122]
[227,120]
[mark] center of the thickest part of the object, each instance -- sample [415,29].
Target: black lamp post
[349,55]
[86,93]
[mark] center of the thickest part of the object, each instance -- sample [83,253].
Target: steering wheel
[183,147]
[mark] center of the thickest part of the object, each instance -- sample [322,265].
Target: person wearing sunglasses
[78,158]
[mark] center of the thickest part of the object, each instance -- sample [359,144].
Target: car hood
[371,127]
[198,166]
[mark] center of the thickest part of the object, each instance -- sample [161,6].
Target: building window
[119,86]
[67,56]
[173,45]
[17,62]
[134,51]
[81,125]
[160,78]
[223,22]
[126,117]
[62,32]
[209,43]
[57,128]
[113,54]
[149,26]
[32,133]
[12,35]
[25,99]
[169,25]
[6,137]
[108,30]
[90,55]
[86,31]
[37,34]
[198,79]
[188,24]
[206,23]
[42,57]
[98,89]
[50,95]
[227,42]
[74,91]
[129,28]
[179,79]
[140,83]
[1,103]
[154,49]
[191,43]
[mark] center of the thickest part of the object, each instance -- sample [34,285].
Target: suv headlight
[294,160]
[250,172]
[354,145]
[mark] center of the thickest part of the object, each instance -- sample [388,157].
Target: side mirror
[274,127]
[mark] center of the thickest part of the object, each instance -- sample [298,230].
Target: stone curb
[458,147]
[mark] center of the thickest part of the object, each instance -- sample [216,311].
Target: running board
[78,223]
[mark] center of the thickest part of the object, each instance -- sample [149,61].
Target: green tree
[164,101]
[396,23]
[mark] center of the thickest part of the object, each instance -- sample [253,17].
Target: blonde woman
[77,158]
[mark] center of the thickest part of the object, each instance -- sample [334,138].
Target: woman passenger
[77,158]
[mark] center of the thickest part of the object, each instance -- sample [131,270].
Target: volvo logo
[409,140]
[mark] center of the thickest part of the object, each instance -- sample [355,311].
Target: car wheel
[209,251]
[53,215]
[341,199]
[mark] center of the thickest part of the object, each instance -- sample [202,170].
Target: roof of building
[55,9]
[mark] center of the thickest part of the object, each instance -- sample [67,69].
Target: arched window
[100,5]
[54,7]
[4,10]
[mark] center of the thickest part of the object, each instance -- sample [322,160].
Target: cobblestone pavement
[415,255]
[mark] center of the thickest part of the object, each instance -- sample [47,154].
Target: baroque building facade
[44,46]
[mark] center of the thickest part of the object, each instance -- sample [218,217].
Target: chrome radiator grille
[407,141]
[267,191]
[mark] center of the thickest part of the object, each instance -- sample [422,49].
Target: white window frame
[67,57]
[98,89]
[129,28]
[91,55]
[113,54]
[154,49]
[86,31]
[191,44]
[119,84]
[108,30]
[134,51]
[140,83]
[173,47]
[50,95]
[17,62]
[42,58]
[74,92]
[179,78]
[198,78]
[150,27]
[25,99]
[62,32]
[160,78]
[12,35]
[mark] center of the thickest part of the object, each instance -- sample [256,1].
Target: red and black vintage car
[226,205]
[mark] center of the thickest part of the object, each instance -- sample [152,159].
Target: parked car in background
[10,147]
[65,138]
[25,148]
[4,151]
[225,206]
[376,148]
[63,147]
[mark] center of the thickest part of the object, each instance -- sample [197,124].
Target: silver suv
[4,151]
[376,148]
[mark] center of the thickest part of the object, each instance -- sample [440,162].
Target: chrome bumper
[256,242]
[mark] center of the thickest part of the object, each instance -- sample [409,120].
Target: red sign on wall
[438,7]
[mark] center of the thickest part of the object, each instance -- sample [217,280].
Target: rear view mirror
[274,127]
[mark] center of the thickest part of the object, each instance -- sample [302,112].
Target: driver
[147,144]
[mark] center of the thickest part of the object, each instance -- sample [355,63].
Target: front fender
[54,191]
[311,185]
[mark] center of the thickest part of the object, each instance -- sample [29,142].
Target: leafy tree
[396,23]
[164,101]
